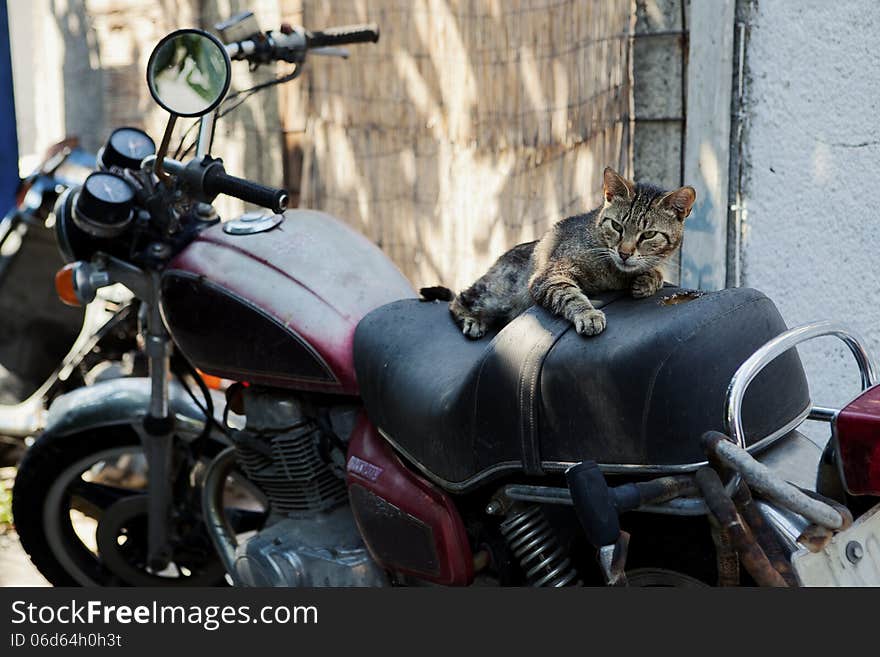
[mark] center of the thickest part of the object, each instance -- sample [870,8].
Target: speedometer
[104,205]
[125,149]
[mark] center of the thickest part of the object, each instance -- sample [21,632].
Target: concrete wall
[37,74]
[659,70]
[812,170]
[659,79]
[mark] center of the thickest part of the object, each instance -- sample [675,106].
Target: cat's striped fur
[620,246]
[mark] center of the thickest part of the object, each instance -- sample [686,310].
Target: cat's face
[641,225]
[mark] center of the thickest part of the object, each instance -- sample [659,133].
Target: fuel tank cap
[252,222]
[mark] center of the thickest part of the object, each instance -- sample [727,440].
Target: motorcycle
[365,442]
[37,329]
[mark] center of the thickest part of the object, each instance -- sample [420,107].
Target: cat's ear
[616,185]
[680,201]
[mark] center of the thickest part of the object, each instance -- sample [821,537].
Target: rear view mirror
[189,73]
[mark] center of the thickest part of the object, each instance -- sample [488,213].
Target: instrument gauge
[104,205]
[125,149]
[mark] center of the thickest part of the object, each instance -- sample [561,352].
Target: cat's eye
[649,234]
[616,226]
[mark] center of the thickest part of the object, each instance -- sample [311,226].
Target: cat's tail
[437,293]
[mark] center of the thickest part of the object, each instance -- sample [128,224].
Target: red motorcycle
[366,442]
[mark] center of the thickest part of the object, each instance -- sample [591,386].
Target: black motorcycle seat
[536,397]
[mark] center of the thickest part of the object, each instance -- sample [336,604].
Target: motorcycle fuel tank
[278,307]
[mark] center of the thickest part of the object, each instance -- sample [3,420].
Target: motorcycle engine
[297,462]
[325,550]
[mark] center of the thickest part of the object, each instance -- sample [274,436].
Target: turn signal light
[213,382]
[857,431]
[65,286]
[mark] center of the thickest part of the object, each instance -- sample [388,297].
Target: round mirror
[189,72]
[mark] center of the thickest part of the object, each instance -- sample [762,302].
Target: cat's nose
[624,256]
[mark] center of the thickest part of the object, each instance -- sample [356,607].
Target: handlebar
[343,35]
[206,178]
[217,181]
[291,43]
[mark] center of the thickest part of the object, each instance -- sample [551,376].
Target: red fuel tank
[278,307]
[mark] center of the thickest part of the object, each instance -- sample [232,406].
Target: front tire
[66,477]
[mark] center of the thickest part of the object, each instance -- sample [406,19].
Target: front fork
[157,431]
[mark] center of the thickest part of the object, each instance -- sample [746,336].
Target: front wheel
[80,509]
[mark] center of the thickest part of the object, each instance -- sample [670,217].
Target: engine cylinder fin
[295,478]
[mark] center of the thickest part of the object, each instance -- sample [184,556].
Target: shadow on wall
[105,50]
[470,126]
[248,138]
[82,72]
[106,46]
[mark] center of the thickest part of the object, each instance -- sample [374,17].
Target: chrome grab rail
[755,363]
[747,372]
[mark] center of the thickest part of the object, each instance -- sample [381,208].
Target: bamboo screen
[471,126]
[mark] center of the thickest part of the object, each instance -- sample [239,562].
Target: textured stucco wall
[812,164]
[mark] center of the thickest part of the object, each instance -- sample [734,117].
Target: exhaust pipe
[219,530]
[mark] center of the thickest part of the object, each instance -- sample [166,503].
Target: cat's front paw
[647,284]
[473,328]
[589,322]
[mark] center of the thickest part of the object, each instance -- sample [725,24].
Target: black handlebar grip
[217,181]
[593,503]
[345,34]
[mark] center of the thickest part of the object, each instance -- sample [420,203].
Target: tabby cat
[619,246]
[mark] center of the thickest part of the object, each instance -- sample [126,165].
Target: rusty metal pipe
[844,512]
[768,483]
[726,559]
[815,537]
[764,534]
[663,489]
[722,508]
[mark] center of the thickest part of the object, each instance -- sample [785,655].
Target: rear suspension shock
[535,545]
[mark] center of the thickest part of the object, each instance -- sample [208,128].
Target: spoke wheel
[80,509]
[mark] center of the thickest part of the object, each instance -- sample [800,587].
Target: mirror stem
[206,134]
[163,149]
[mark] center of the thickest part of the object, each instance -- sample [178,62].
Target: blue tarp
[8,135]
